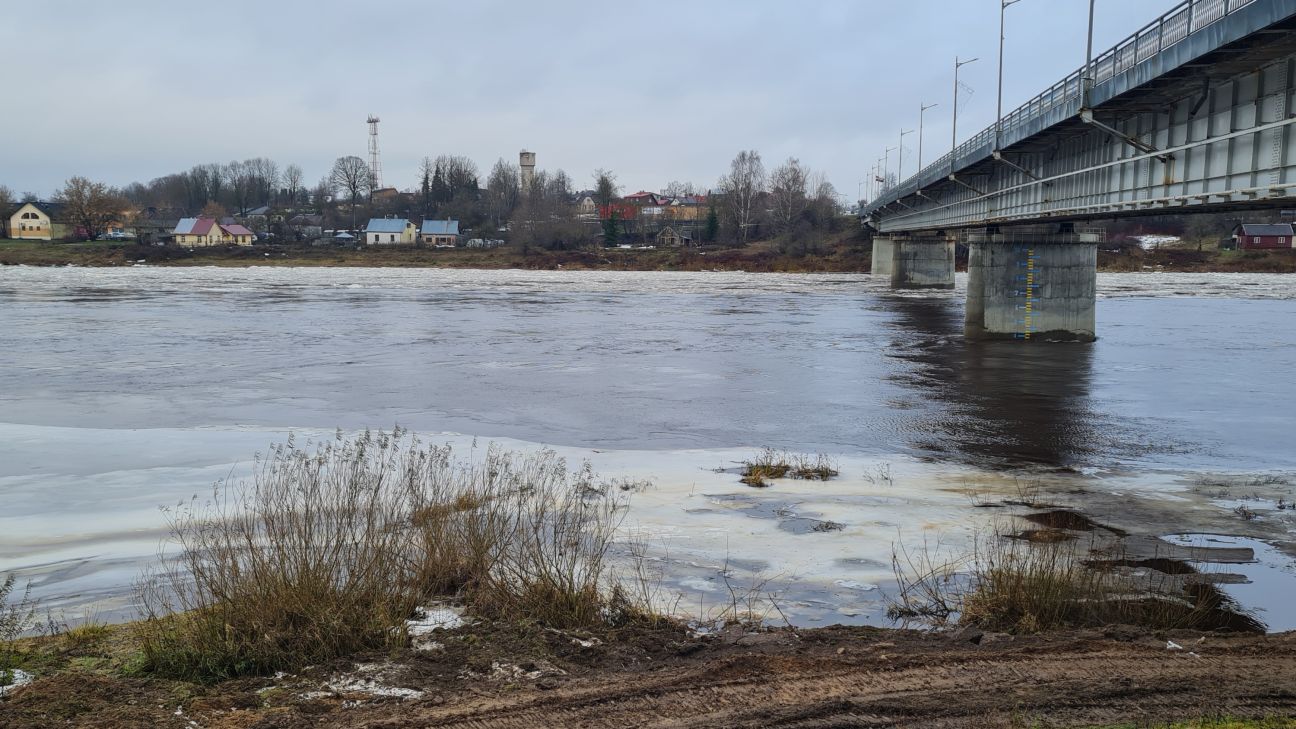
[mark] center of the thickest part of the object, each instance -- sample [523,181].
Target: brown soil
[841,252]
[845,252]
[481,677]
[1190,260]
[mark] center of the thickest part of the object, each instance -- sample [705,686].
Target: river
[125,390]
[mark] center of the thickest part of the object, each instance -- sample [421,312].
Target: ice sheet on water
[308,284]
[1270,589]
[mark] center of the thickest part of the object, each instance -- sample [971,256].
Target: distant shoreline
[840,256]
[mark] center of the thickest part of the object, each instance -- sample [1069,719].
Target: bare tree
[559,188]
[606,188]
[351,175]
[6,200]
[459,174]
[789,193]
[90,205]
[323,193]
[741,190]
[823,206]
[292,179]
[679,189]
[263,174]
[546,216]
[503,191]
[239,179]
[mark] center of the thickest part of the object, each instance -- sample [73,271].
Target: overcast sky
[655,91]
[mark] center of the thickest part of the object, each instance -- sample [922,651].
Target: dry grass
[1025,586]
[771,464]
[329,549]
[17,616]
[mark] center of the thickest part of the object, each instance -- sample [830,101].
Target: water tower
[526,163]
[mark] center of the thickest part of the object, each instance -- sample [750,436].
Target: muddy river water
[125,390]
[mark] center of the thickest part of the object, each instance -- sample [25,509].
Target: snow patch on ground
[373,679]
[17,679]
[428,620]
[1149,242]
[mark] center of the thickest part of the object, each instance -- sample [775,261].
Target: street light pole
[957,65]
[900,164]
[1003,8]
[1089,74]
[886,165]
[922,109]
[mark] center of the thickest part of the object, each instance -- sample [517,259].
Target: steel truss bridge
[1192,112]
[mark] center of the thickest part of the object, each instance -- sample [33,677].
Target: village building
[203,232]
[1252,236]
[390,231]
[586,206]
[39,221]
[670,238]
[440,233]
[643,198]
[306,226]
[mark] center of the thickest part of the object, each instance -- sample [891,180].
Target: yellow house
[33,221]
[202,232]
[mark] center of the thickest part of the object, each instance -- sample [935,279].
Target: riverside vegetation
[329,552]
[311,570]
[847,251]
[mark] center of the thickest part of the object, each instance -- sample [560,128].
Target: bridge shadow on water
[999,403]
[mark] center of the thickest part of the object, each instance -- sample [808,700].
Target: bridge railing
[1184,19]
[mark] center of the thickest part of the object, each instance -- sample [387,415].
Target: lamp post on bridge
[900,163]
[1088,80]
[1003,8]
[957,65]
[922,109]
[886,165]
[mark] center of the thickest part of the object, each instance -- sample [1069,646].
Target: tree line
[746,204]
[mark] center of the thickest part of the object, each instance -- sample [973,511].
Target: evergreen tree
[441,192]
[712,229]
[612,229]
[426,189]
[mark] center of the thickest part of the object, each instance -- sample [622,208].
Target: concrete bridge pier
[915,261]
[883,254]
[1030,283]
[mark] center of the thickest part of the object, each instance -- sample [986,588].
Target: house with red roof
[199,232]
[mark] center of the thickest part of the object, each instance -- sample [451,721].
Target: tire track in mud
[760,692]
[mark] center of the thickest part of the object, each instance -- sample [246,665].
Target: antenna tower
[375,161]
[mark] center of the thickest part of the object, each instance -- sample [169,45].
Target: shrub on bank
[327,551]
[1028,586]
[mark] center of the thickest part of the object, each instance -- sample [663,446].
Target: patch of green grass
[85,635]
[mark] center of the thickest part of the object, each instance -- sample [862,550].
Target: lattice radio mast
[375,161]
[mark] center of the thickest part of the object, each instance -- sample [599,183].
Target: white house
[390,231]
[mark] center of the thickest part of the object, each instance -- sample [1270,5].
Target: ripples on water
[125,387]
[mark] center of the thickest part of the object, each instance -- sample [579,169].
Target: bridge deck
[1185,109]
